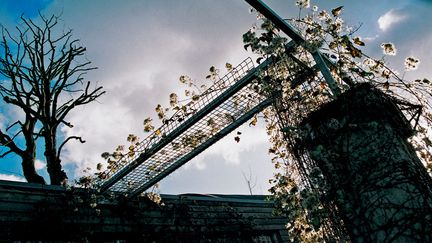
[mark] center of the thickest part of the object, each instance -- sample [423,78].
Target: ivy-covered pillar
[380,187]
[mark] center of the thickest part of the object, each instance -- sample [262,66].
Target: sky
[142,47]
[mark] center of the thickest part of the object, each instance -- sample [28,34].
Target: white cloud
[2,122]
[39,164]
[141,47]
[390,18]
[102,127]
[370,38]
[229,150]
[8,177]
[140,58]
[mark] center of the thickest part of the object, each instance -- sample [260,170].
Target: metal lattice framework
[246,91]
[222,108]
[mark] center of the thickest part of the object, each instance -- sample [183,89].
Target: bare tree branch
[7,141]
[13,124]
[250,184]
[6,153]
[67,140]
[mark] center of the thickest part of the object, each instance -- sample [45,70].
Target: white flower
[156,198]
[303,3]
[323,15]
[253,29]
[259,16]
[369,62]
[389,49]
[173,98]
[308,19]
[183,79]
[338,24]
[411,63]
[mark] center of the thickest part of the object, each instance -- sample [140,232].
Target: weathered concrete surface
[379,185]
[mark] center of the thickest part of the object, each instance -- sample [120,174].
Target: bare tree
[44,80]
[250,183]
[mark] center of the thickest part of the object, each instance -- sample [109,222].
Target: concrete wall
[380,187]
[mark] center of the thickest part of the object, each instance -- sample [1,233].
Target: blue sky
[142,47]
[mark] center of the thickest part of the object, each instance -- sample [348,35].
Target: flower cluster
[389,49]
[411,63]
[303,3]
[295,186]
[154,197]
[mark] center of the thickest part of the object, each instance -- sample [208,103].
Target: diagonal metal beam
[296,37]
[225,131]
[248,78]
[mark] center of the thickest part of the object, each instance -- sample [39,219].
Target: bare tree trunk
[57,175]
[29,155]
[28,165]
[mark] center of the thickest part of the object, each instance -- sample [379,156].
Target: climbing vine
[298,184]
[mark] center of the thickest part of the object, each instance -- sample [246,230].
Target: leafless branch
[13,124]
[7,141]
[67,140]
[251,184]
[5,153]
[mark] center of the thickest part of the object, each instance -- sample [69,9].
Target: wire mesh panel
[219,106]
[186,143]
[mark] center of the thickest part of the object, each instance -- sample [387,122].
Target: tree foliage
[42,76]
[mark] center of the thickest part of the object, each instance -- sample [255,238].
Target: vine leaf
[357,41]
[254,121]
[336,11]
[158,132]
[259,59]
